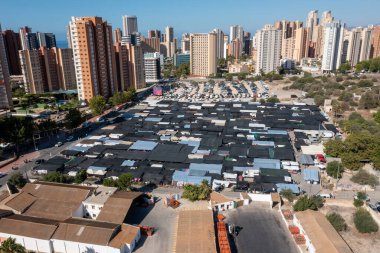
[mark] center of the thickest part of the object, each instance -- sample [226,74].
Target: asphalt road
[262,230]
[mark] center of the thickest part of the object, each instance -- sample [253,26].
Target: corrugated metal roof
[211,168]
[311,175]
[143,145]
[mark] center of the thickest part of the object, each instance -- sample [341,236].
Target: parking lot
[261,230]
[213,91]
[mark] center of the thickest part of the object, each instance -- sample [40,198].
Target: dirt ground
[359,243]
[277,88]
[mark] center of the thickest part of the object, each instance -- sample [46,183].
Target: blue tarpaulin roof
[211,168]
[266,163]
[293,187]
[311,175]
[183,176]
[128,163]
[306,160]
[143,145]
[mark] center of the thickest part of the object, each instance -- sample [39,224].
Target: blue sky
[183,15]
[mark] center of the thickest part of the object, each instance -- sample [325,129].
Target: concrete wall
[31,244]
[75,247]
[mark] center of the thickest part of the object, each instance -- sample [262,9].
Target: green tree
[358,202]
[305,203]
[57,177]
[97,105]
[337,221]
[17,131]
[368,101]
[364,222]
[125,181]
[80,177]
[288,194]
[197,192]
[119,98]
[273,100]
[334,169]
[343,68]
[376,116]
[131,94]
[17,180]
[183,70]
[10,246]
[73,118]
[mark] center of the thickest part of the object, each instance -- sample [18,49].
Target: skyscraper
[311,22]
[333,44]
[236,32]
[354,46]
[28,39]
[219,43]
[154,34]
[46,40]
[327,17]
[50,70]
[365,50]
[129,25]
[5,89]
[300,41]
[12,45]
[268,42]
[203,59]
[375,42]
[169,34]
[94,58]
[247,43]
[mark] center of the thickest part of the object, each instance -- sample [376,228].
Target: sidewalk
[20,161]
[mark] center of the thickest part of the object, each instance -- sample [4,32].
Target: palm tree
[10,246]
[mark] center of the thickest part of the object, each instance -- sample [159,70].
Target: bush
[17,180]
[305,203]
[288,194]
[124,181]
[358,202]
[334,169]
[337,221]
[364,222]
[365,178]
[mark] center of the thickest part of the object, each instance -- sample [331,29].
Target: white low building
[218,202]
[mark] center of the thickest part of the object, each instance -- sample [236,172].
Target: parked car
[70,138]
[321,158]
[2,175]
[39,161]
[58,144]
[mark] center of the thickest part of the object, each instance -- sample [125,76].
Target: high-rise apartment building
[375,42]
[28,39]
[150,45]
[169,34]
[94,58]
[219,43]
[333,44]
[5,89]
[152,67]
[129,25]
[12,45]
[311,22]
[365,51]
[236,32]
[234,49]
[136,66]
[354,46]
[154,34]
[66,68]
[203,59]
[46,40]
[327,17]
[117,35]
[122,67]
[33,71]
[49,59]
[268,42]
[185,43]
